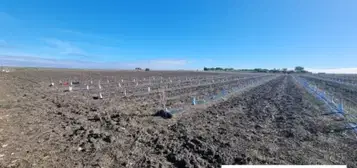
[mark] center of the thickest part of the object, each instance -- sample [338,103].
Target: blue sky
[184,34]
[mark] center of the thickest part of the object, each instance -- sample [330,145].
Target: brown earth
[273,123]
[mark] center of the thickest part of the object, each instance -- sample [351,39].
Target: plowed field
[268,120]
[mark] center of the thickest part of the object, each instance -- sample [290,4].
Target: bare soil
[275,122]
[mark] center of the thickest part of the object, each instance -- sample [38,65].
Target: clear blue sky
[185,34]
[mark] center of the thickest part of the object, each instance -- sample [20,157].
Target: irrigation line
[344,98]
[224,96]
[178,108]
[329,80]
[190,92]
[339,80]
[339,111]
[135,94]
[143,86]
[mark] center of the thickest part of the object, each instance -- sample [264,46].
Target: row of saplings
[161,113]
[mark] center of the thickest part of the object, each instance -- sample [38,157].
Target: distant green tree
[205,69]
[219,69]
[260,70]
[257,70]
[274,70]
[300,69]
[228,69]
[284,70]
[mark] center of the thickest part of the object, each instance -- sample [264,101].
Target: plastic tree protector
[194,101]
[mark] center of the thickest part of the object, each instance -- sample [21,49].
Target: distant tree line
[298,69]
[140,69]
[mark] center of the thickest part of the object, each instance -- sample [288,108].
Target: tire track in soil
[271,124]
